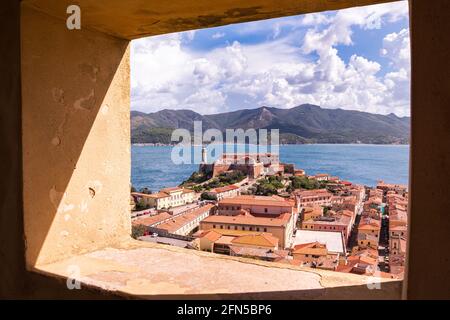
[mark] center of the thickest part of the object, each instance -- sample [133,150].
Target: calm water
[365,164]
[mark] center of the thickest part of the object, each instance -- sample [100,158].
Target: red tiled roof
[152,195]
[257,201]
[225,189]
[179,221]
[280,221]
[260,239]
[313,193]
[211,235]
[315,248]
[322,175]
[149,221]
[171,189]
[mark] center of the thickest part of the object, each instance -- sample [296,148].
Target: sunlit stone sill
[153,271]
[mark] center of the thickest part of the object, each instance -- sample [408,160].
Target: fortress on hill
[252,164]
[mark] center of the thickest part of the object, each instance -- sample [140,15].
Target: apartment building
[397,188]
[281,226]
[264,206]
[185,223]
[182,224]
[369,226]
[225,192]
[366,240]
[167,198]
[316,255]
[256,245]
[309,198]
[309,213]
[339,222]
[361,261]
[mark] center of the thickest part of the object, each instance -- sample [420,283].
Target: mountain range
[302,124]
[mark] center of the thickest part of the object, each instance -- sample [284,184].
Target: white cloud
[396,47]
[278,72]
[218,35]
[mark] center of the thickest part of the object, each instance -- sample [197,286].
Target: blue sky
[356,59]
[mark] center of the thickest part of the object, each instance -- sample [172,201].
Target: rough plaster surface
[149,270]
[76,138]
[429,220]
[137,18]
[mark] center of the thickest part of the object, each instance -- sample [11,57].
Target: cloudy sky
[356,59]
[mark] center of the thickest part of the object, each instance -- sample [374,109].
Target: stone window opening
[70,187]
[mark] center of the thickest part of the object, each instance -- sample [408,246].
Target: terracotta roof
[334,220]
[152,195]
[398,228]
[294,262]
[225,189]
[367,252]
[235,233]
[315,248]
[313,193]
[344,212]
[179,221]
[363,259]
[211,235]
[226,240]
[315,209]
[256,200]
[366,236]
[322,175]
[369,224]
[259,252]
[149,221]
[250,220]
[390,185]
[261,240]
[163,193]
[171,189]
[397,215]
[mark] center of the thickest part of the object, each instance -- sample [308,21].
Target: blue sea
[152,166]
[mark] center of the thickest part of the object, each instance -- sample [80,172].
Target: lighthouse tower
[204,157]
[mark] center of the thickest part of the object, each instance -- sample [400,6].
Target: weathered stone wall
[76,138]
[429,220]
[133,19]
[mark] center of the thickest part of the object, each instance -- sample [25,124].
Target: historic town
[253,206]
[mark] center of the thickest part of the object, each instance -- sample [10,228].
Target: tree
[207,196]
[197,188]
[305,183]
[269,186]
[196,177]
[146,190]
[141,205]
[138,231]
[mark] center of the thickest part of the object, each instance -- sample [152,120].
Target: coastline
[287,144]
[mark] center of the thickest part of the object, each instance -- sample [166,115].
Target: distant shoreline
[287,144]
